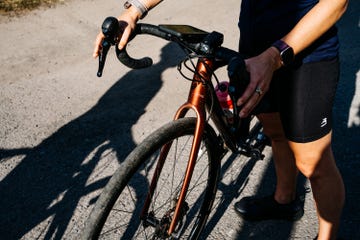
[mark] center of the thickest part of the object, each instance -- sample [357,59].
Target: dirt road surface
[63,131]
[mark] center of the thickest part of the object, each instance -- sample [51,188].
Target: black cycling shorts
[304,96]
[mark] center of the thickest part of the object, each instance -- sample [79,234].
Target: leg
[316,161]
[306,113]
[286,171]
[283,204]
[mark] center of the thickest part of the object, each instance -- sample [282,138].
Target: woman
[293,63]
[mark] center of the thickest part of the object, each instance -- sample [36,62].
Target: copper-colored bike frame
[197,101]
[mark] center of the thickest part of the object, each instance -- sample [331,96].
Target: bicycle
[166,186]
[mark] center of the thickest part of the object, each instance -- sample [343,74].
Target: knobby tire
[116,212]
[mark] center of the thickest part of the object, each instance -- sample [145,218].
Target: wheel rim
[124,220]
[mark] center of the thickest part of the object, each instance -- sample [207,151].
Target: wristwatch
[286,52]
[139,5]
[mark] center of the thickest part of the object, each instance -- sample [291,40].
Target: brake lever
[238,75]
[105,46]
[110,28]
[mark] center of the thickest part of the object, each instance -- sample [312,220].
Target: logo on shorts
[323,122]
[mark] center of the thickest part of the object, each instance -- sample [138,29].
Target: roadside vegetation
[17,6]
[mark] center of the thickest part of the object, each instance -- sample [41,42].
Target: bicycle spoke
[130,218]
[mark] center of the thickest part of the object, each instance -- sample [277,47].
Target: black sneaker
[257,209]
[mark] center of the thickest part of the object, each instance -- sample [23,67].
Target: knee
[314,159]
[314,164]
[307,164]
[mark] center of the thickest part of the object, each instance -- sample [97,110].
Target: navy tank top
[262,22]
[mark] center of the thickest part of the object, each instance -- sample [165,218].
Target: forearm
[151,3]
[138,8]
[315,23]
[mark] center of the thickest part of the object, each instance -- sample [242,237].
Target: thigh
[272,125]
[305,98]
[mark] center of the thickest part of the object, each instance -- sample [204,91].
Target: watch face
[287,56]
[286,52]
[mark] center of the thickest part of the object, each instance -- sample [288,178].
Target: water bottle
[226,103]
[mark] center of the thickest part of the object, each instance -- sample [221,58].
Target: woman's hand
[261,69]
[127,23]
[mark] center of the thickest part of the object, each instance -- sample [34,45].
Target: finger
[96,51]
[249,91]
[125,37]
[250,105]
[97,44]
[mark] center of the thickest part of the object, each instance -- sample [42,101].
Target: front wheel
[118,213]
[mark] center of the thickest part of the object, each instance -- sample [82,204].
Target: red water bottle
[226,103]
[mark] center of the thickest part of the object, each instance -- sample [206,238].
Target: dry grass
[9,6]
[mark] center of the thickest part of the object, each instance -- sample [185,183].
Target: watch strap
[280,45]
[286,52]
[139,5]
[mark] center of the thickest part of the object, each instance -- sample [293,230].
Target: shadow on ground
[52,177]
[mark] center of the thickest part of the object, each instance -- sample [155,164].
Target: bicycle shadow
[46,186]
